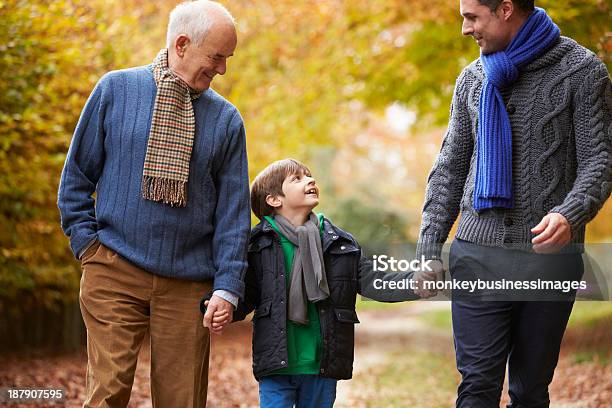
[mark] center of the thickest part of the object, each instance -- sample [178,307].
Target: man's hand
[553,233]
[220,319]
[219,312]
[436,274]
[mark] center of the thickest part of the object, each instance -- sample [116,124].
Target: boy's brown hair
[270,182]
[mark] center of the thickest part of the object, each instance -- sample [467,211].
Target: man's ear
[273,201]
[506,9]
[181,42]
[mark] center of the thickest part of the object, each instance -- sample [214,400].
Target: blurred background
[358,90]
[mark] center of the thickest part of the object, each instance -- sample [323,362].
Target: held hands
[436,274]
[219,313]
[553,233]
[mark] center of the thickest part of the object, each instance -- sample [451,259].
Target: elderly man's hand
[219,313]
[553,233]
[436,274]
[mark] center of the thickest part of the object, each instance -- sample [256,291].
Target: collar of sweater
[550,57]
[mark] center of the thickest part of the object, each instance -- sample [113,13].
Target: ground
[404,358]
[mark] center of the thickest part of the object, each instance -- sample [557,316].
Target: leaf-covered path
[404,358]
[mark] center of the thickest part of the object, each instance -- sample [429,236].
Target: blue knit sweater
[206,239]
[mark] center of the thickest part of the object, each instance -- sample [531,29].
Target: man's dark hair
[526,6]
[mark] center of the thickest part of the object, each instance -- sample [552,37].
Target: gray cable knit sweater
[560,111]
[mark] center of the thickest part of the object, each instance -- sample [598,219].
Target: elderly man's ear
[181,43]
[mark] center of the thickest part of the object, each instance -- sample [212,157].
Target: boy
[302,281]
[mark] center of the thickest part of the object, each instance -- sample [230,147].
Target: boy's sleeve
[251,293]
[372,283]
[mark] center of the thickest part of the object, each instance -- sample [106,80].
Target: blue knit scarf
[494,156]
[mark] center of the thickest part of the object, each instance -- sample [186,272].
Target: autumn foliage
[314,80]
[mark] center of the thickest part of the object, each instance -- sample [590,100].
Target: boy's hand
[220,317]
[218,313]
[436,274]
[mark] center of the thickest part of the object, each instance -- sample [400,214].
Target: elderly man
[166,158]
[527,161]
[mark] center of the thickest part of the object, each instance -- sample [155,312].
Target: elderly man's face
[198,65]
[490,30]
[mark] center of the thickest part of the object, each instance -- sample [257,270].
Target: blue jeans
[299,391]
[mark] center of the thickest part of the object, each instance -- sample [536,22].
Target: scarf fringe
[168,191]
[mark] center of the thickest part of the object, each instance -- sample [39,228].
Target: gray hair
[193,18]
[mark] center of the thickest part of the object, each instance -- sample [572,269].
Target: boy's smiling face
[301,195]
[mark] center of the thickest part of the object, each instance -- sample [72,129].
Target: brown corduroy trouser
[120,303]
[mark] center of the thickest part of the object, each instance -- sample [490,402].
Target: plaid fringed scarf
[166,166]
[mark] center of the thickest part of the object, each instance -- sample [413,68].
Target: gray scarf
[308,279]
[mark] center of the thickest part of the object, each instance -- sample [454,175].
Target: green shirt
[304,344]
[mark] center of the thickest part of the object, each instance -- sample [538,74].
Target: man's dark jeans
[492,328]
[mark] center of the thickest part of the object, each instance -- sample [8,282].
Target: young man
[527,161]
[303,278]
[166,158]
